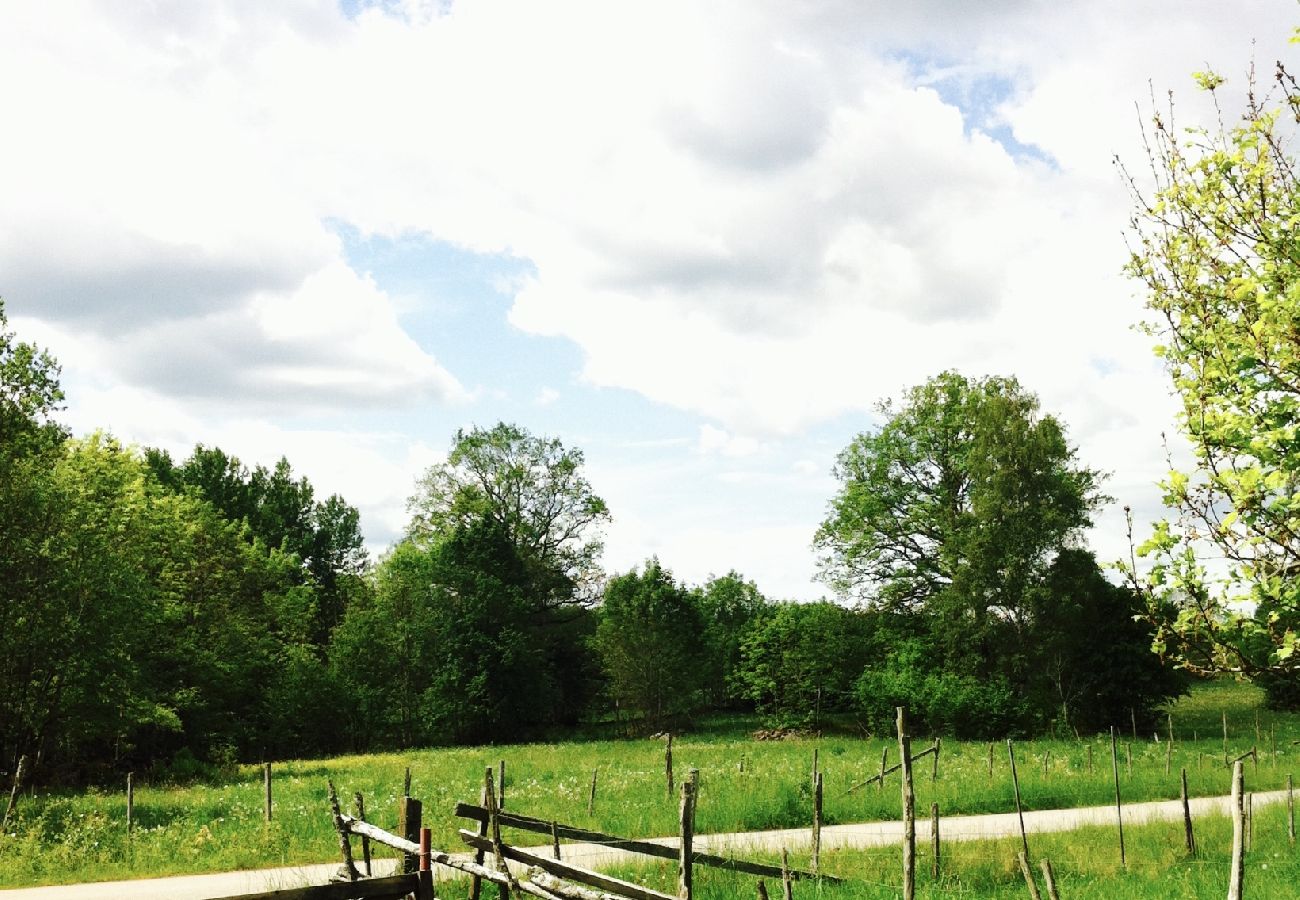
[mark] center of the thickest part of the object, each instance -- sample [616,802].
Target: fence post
[934,840]
[1023,860]
[884,763]
[1015,784]
[934,767]
[668,765]
[408,826]
[130,803]
[475,882]
[266,791]
[345,848]
[501,785]
[787,890]
[1290,810]
[686,854]
[360,803]
[1119,807]
[555,838]
[1238,870]
[1189,837]
[817,825]
[591,798]
[1049,878]
[425,890]
[909,808]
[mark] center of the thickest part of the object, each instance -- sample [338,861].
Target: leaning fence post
[686,853]
[884,762]
[1189,837]
[1023,860]
[1238,870]
[345,848]
[1015,784]
[1049,878]
[591,798]
[909,808]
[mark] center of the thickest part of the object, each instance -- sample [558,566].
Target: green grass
[67,837]
[1086,863]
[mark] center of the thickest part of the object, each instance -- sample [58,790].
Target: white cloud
[546,396]
[766,214]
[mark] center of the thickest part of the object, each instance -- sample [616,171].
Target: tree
[728,604]
[1216,249]
[799,660]
[534,489]
[956,506]
[650,639]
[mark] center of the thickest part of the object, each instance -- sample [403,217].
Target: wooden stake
[909,808]
[1047,761]
[934,840]
[1169,753]
[1290,810]
[817,825]
[1225,737]
[813,780]
[359,803]
[668,766]
[1128,757]
[555,838]
[1119,806]
[686,852]
[1238,871]
[266,791]
[408,826]
[130,804]
[501,785]
[1132,715]
[1189,837]
[762,890]
[1015,784]
[1170,717]
[1029,876]
[406,783]
[1049,878]
[344,847]
[884,761]
[591,798]
[990,759]
[494,832]
[787,888]
[934,763]
[475,882]
[1250,820]
[1090,759]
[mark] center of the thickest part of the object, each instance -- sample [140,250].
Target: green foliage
[650,639]
[798,660]
[728,605]
[1215,250]
[956,504]
[534,490]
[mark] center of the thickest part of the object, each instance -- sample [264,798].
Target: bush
[941,703]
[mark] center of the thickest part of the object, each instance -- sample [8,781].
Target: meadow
[217,824]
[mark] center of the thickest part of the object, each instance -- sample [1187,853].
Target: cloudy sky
[699,241]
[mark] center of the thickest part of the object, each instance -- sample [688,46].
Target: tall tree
[956,505]
[1216,248]
[650,640]
[534,489]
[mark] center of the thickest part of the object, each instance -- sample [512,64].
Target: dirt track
[867,834]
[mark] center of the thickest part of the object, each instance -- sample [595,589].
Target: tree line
[178,614]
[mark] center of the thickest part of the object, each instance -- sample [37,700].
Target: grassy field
[217,826]
[1086,863]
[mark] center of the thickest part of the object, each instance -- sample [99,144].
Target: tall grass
[217,825]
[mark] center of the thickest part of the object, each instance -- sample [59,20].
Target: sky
[698,241]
